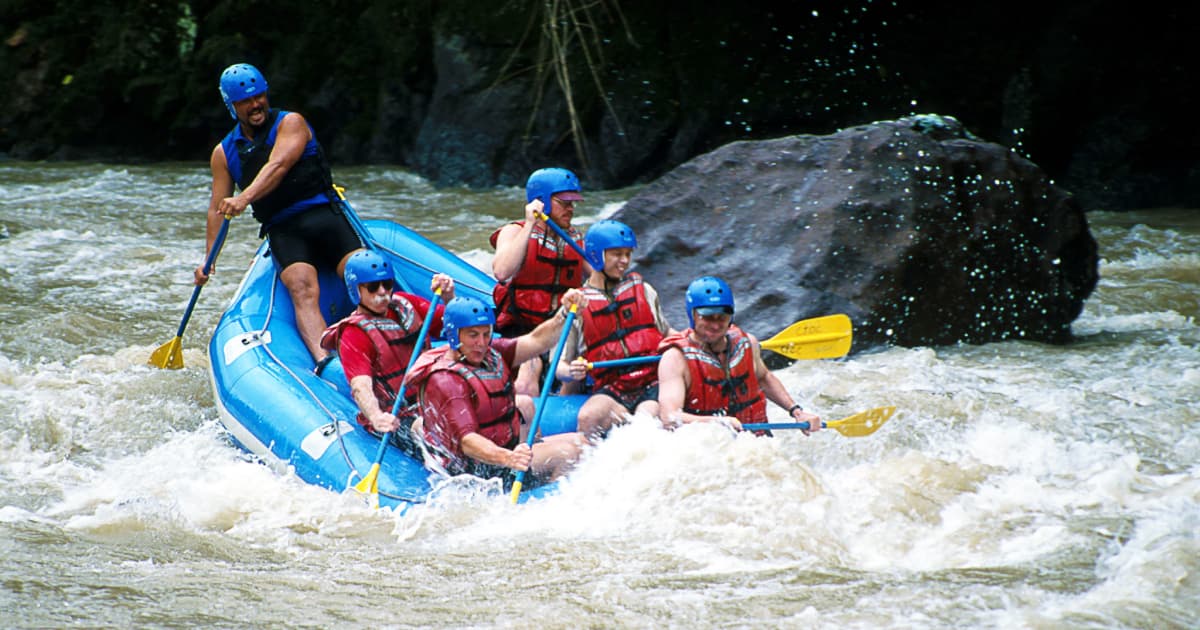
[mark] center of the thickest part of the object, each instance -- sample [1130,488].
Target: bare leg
[647,408]
[527,378]
[526,407]
[301,282]
[598,414]
[556,454]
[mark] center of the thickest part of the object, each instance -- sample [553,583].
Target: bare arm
[484,450]
[222,187]
[290,139]
[512,242]
[775,391]
[363,392]
[545,336]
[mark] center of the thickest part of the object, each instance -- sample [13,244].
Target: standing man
[378,339]
[533,265]
[714,369]
[622,318]
[470,420]
[274,158]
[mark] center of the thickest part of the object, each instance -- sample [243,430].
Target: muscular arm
[290,139]
[510,250]
[222,187]
[512,242]
[775,391]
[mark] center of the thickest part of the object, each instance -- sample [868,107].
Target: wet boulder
[920,232]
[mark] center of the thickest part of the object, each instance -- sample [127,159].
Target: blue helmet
[604,235]
[241,81]
[464,312]
[365,266]
[545,182]
[709,293]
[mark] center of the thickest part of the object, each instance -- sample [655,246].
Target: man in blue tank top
[274,158]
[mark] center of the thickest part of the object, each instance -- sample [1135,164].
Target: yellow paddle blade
[370,485]
[516,491]
[169,355]
[818,338]
[862,423]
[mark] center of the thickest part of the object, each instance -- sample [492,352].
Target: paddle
[170,354]
[541,405]
[562,234]
[817,338]
[859,425]
[370,483]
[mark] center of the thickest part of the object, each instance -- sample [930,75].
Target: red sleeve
[447,409]
[357,352]
[507,347]
[421,306]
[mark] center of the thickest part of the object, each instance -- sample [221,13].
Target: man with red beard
[534,265]
[376,341]
[714,370]
[274,158]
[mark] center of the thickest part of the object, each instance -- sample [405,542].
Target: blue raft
[277,409]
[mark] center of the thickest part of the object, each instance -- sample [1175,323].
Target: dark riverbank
[1091,91]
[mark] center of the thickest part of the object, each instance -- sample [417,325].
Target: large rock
[921,233]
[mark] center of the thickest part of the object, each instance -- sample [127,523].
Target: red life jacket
[618,327]
[551,267]
[393,336]
[718,389]
[492,397]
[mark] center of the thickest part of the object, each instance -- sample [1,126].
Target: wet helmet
[464,312]
[711,295]
[365,266]
[241,81]
[545,182]
[605,235]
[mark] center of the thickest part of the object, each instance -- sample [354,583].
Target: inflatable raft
[275,407]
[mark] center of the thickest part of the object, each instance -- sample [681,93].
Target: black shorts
[320,236]
[630,400]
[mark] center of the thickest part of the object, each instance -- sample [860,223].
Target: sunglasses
[374,285]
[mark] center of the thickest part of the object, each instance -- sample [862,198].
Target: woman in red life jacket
[622,318]
[534,265]
[715,370]
[376,341]
[470,420]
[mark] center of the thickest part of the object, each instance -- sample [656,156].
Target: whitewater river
[1019,486]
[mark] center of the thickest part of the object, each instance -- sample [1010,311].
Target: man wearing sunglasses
[376,341]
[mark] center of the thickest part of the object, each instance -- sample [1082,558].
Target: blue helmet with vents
[241,81]
[605,235]
[708,295]
[464,312]
[362,267]
[544,183]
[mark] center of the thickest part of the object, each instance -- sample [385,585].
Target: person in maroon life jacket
[534,266]
[622,318]
[377,340]
[714,370]
[469,419]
